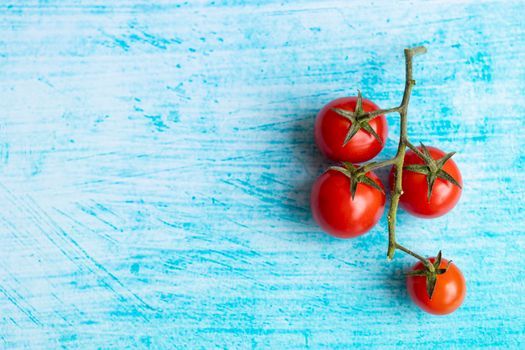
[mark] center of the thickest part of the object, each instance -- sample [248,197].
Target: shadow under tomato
[310,163]
[395,281]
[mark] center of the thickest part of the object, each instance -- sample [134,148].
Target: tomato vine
[358,121]
[431,270]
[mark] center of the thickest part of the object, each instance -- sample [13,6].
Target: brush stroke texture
[156,160]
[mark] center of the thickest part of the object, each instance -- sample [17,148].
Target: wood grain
[156,160]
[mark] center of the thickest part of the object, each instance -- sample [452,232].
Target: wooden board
[156,160]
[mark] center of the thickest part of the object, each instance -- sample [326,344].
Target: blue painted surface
[156,160]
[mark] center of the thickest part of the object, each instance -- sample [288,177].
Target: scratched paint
[156,160]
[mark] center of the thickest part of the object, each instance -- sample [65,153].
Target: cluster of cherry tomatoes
[347,203]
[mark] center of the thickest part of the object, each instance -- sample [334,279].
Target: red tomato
[449,291]
[414,199]
[331,129]
[335,211]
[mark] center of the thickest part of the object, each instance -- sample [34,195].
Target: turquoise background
[156,160]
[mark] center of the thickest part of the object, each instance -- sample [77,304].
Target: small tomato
[339,214]
[449,291]
[342,135]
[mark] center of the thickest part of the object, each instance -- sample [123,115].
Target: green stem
[424,260]
[376,165]
[400,155]
[399,158]
[375,113]
[414,148]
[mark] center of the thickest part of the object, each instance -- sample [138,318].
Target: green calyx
[356,175]
[358,119]
[431,271]
[432,168]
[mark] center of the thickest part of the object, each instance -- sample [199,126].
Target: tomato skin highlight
[449,292]
[331,129]
[414,199]
[335,211]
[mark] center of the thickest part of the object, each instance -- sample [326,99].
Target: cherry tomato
[444,195]
[331,130]
[449,291]
[337,213]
